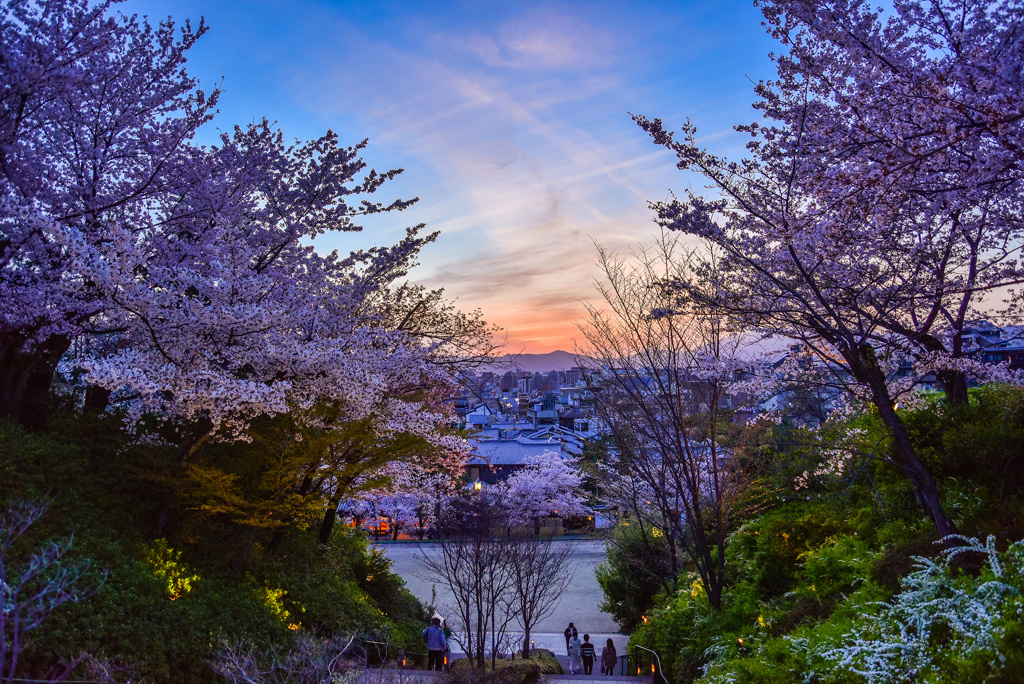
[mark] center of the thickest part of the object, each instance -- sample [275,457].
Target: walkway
[579,604]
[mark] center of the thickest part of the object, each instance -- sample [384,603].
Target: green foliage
[831,571]
[166,564]
[636,569]
[166,604]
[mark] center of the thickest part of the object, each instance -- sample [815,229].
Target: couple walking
[584,650]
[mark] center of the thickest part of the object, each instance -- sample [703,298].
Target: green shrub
[636,569]
[507,671]
[167,603]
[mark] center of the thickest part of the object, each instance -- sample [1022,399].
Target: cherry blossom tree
[913,130]
[186,276]
[235,316]
[95,114]
[548,486]
[881,201]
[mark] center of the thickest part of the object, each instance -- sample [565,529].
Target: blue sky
[510,120]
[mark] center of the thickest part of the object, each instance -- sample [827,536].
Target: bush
[507,671]
[636,569]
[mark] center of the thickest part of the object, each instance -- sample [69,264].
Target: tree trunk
[954,385]
[96,398]
[196,435]
[26,378]
[330,515]
[927,491]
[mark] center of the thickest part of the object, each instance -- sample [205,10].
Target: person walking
[574,652]
[568,635]
[608,659]
[436,644]
[587,655]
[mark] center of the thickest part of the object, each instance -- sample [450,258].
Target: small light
[403,662]
[652,668]
[446,660]
[739,641]
[645,619]
[896,406]
[477,485]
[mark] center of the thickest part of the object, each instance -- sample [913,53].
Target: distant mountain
[534,363]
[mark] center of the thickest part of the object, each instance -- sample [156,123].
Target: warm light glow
[403,662]
[477,485]
[652,668]
[645,619]
[739,641]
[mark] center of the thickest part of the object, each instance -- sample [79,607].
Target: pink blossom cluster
[185,279]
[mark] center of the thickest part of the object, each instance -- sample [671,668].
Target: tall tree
[881,200]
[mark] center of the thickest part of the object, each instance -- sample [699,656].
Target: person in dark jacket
[436,645]
[568,635]
[587,655]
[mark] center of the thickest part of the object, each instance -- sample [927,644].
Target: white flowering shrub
[945,625]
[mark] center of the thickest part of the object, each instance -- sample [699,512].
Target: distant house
[480,417]
[493,460]
[1010,351]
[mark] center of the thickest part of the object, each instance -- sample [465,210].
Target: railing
[654,670]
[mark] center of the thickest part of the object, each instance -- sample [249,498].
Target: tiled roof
[501,452]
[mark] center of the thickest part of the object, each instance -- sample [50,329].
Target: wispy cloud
[541,38]
[516,136]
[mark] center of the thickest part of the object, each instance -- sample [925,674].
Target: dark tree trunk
[327,526]
[867,370]
[96,398]
[242,557]
[162,519]
[954,385]
[196,435]
[26,378]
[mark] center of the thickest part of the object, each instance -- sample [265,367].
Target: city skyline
[510,120]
